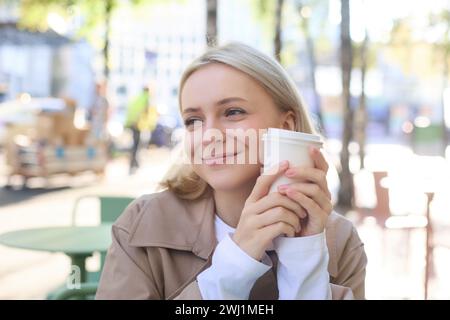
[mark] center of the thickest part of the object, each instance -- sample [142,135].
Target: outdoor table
[77,242]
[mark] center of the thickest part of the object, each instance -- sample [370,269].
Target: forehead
[216,81]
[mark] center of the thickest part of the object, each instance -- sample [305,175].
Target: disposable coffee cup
[293,146]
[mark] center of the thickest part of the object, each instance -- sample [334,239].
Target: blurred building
[44,64]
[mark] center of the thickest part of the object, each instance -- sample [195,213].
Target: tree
[278,41]
[443,48]
[346,189]
[211,23]
[421,58]
[269,14]
[305,14]
[361,113]
[94,12]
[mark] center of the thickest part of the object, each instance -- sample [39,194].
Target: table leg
[76,277]
[80,262]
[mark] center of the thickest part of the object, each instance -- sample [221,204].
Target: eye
[234,111]
[190,121]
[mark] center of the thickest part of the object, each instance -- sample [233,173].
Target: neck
[229,204]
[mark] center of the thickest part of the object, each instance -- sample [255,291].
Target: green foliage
[264,13]
[33,13]
[441,21]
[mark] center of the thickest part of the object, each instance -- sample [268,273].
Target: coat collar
[168,221]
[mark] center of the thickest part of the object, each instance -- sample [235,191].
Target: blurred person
[148,122]
[215,232]
[3,92]
[136,112]
[99,113]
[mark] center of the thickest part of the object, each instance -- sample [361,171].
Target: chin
[230,177]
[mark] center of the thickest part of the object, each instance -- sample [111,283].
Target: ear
[288,120]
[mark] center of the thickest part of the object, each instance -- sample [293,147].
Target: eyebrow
[218,103]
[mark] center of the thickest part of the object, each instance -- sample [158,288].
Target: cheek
[230,178]
[261,121]
[192,143]
[253,144]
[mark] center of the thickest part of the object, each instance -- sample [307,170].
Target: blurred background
[89,121]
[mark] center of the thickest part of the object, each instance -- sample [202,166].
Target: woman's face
[225,113]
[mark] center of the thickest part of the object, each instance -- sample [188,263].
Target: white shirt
[302,268]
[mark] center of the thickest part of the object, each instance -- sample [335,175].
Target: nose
[212,133]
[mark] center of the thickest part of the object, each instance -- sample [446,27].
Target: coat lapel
[170,222]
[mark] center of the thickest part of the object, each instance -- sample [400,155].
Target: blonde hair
[181,179]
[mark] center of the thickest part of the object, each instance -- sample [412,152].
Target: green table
[76,242]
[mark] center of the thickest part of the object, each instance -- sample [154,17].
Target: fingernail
[284,163]
[282,187]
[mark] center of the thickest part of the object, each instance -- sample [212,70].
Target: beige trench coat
[161,243]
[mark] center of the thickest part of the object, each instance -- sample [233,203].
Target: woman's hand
[267,216]
[310,191]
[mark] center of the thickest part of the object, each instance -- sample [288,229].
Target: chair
[405,222]
[111,207]
[382,210]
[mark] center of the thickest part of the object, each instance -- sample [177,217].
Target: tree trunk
[211,23]
[361,115]
[108,12]
[312,67]
[277,45]
[346,189]
[444,87]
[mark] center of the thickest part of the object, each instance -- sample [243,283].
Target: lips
[218,159]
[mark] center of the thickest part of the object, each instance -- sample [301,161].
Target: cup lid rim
[292,135]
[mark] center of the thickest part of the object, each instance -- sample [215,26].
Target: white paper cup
[280,145]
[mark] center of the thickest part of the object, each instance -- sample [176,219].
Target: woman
[215,232]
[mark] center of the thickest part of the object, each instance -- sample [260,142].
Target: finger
[311,190]
[319,160]
[309,174]
[275,199]
[310,205]
[278,214]
[276,230]
[265,180]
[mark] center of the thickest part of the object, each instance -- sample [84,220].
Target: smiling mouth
[219,159]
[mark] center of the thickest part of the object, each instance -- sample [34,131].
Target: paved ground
[396,262]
